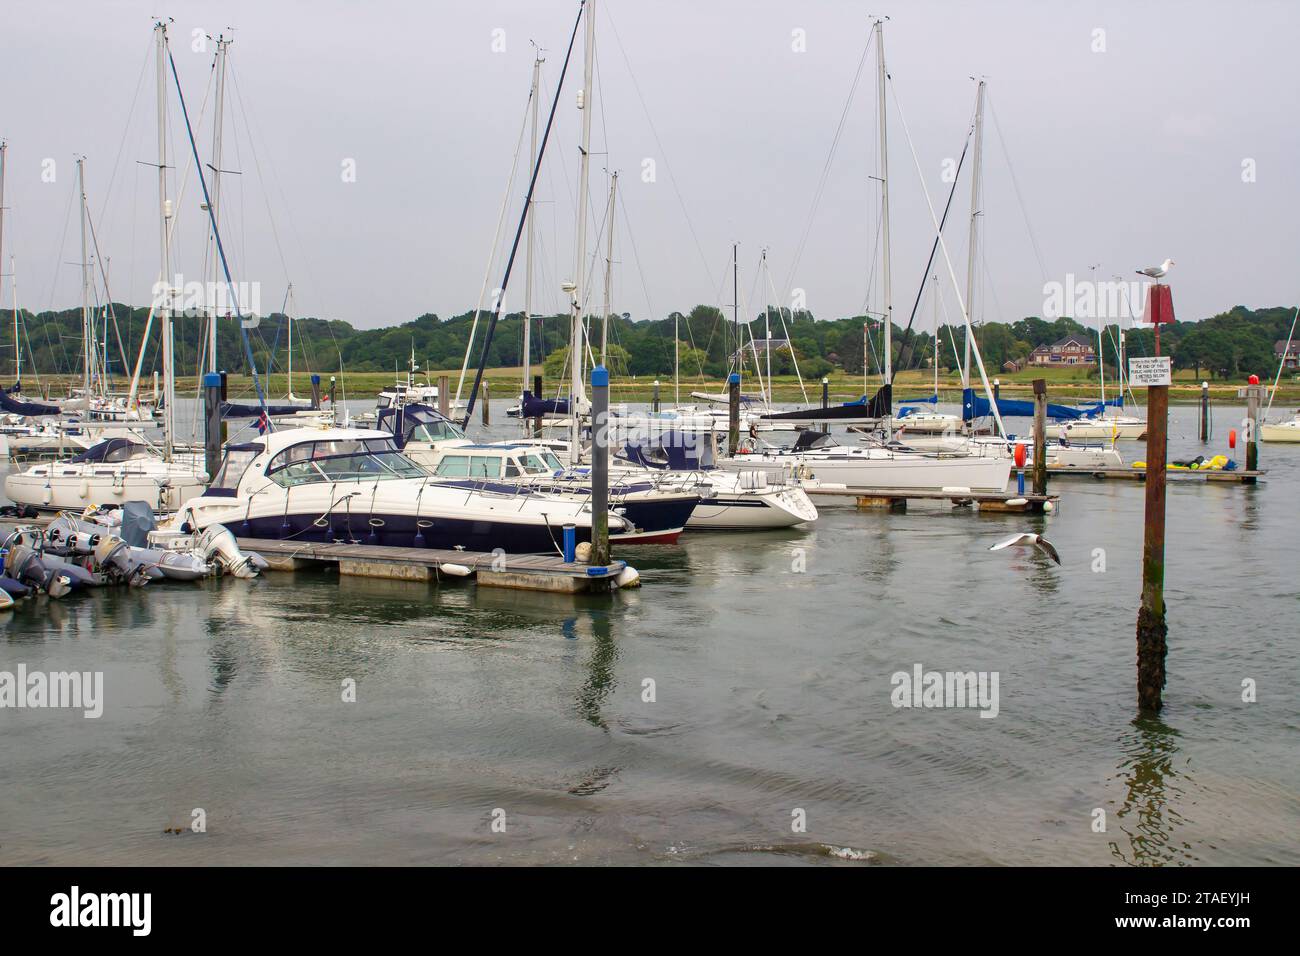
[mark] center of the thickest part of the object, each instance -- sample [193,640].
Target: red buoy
[1232,438]
[1020,454]
[1253,380]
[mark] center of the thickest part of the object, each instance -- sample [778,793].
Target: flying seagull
[1029,540]
[1156,272]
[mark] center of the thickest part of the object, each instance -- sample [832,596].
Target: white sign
[1149,371]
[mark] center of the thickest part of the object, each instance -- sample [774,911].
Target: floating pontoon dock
[532,572]
[896,499]
[1238,476]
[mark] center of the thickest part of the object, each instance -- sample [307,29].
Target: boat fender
[455,570]
[628,578]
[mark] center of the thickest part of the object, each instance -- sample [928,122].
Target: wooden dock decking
[895,499]
[1239,476]
[532,572]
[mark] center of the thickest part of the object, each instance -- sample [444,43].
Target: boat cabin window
[535,464]
[345,459]
[233,467]
[469,466]
[435,431]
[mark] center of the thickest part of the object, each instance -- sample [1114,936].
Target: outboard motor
[116,558]
[24,563]
[217,544]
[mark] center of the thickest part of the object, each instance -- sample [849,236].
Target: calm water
[772,693]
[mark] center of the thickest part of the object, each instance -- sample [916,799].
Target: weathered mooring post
[826,400]
[733,413]
[1151,628]
[600,466]
[997,391]
[211,423]
[444,398]
[315,392]
[1254,394]
[225,426]
[537,394]
[334,391]
[485,399]
[1152,631]
[654,402]
[1040,436]
[1205,412]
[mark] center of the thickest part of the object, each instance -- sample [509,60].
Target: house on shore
[1071,350]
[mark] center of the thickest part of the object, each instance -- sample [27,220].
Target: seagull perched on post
[1029,540]
[1156,272]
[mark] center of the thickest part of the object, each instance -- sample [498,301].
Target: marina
[638,559]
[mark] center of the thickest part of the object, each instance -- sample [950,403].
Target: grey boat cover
[137,522]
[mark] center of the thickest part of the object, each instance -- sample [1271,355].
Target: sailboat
[126,468]
[1288,429]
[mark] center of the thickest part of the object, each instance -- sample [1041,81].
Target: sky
[368,149]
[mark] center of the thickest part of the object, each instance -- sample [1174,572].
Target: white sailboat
[1287,430]
[121,469]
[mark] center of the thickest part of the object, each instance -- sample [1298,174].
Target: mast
[4,147]
[884,207]
[215,196]
[534,97]
[577,389]
[735,306]
[288,319]
[677,366]
[18,352]
[609,269]
[976,210]
[87,332]
[934,360]
[767,344]
[164,225]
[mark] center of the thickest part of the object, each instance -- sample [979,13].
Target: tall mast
[164,225]
[288,320]
[534,96]
[735,304]
[18,351]
[4,147]
[577,389]
[884,206]
[976,211]
[935,356]
[677,365]
[609,269]
[767,344]
[87,331]
[214,195]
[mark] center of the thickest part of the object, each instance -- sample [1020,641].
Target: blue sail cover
[975,407]
[534,407]
[31,409]
[232,410]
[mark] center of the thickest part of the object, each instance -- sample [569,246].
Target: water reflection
[1154,788]
[600,681]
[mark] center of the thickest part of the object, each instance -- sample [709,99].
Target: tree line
[1228,345]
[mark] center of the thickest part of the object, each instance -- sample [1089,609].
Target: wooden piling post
[600,466]
[315,392]
[654,402]
[537,394]
[334,391]
[1040,436]
[733,413]
[1254,395]
[444,395]
[1205,412]
[1151,629]
[212,423]
[997,390]
[485,400]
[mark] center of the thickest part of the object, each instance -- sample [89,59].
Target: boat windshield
[440,430]
[342,459]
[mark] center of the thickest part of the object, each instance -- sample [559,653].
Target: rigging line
[663,153]
[54,280]
[221,252]
[519,229]
[494,250]
[905,350]
[126,128]
[99,261]
[1286,348]
[830,157]
[1015,183]
[952,274]
[794,357]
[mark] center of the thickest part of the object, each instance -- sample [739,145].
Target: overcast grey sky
[1122,156]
